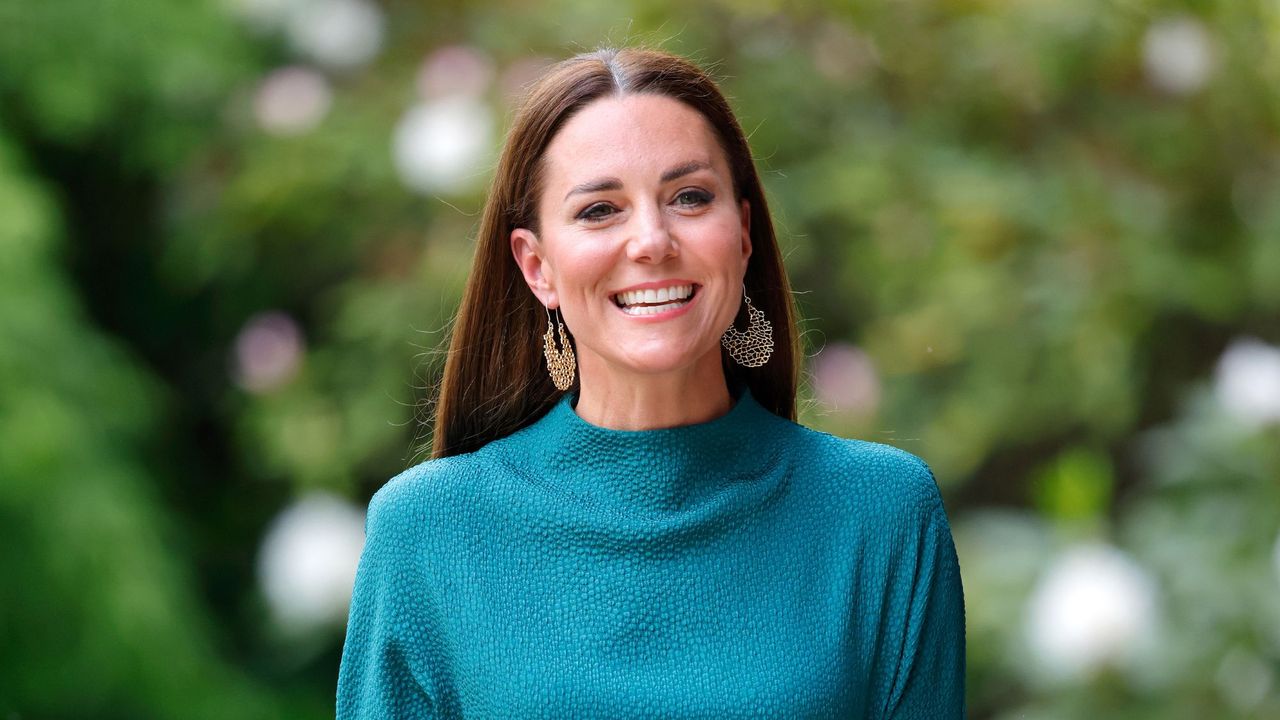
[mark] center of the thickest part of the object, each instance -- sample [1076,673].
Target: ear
[746,233]
[528,254]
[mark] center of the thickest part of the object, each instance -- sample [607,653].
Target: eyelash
[588,217]
[701,198]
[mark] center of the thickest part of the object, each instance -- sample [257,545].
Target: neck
[638,401]
[690,470]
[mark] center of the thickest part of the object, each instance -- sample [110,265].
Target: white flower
[1094,606]
[845,378]
[1247,381]
[439,145]
[1178,55]
[307,564]
[292,100]
[336,33]
[268,351]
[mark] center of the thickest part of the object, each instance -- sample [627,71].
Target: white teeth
[661,295]
[652,309]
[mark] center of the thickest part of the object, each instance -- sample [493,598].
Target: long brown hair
[494,380]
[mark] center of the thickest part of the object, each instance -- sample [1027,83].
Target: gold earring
[560,363]
[753,347]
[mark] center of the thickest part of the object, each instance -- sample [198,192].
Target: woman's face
[637,195]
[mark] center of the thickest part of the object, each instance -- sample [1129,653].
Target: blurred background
[1035,242]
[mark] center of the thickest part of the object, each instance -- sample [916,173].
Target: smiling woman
[641,529]
[632,159]
[650,208]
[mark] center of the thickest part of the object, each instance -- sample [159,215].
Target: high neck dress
[745,567]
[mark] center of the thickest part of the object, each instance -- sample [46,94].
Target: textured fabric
[742,567]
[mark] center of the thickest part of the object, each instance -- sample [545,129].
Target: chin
[665,359]
[655,365]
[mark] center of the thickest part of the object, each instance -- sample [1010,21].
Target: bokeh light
[1094,606]
[292,100]
[336,33]
[1178,53]
[268,352]
[845,378]
[439,144]
[308,561]
[1247,381]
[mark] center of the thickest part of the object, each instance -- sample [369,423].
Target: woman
[639,528]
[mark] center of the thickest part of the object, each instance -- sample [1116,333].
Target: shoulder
[864,457]
[873,474]
[422,491]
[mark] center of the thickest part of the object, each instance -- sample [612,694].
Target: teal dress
[745,567]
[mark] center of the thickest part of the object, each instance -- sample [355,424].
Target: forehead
[633,133]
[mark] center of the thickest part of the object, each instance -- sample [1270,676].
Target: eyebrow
[613,183]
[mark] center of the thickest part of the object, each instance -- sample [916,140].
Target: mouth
[655,301]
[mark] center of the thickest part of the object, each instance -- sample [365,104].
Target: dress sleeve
[376,677]
[929,681]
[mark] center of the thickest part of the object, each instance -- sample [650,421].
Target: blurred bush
[1034,242]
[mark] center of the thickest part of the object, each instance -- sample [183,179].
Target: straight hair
[494,380]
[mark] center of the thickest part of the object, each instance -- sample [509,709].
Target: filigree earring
[753,347]
[561,364]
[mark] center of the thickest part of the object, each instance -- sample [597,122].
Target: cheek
[580,268]
[719,238]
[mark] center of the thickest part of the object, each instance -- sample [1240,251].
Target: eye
[693,198]
[596,212]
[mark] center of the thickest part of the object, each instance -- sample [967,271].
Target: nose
[649,237]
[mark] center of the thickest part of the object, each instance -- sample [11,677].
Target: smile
[655,301]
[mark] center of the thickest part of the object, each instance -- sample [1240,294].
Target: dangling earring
[753,347]
[560,363]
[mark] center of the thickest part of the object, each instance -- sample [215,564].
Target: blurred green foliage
[1036,219]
